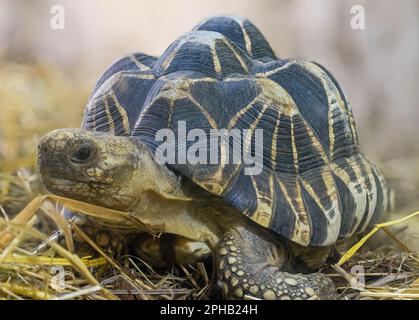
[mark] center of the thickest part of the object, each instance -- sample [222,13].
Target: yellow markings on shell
[122,113]
[358,174]
[171,105]
[174,89]
[269,73]
[329,182]
[238,57]
[109,117]
[342,174]
[264,209]
[299,205]
[331,131]
[115,78]
[333,97]
[383,186]
[333,226]
[137,75]
[301,229]
[106,90]
[205,79]
[342,101]
[279,99]
[216,60]
[166,63]
[330,88]
[246,37]
[294,148]
[307,186]
[209,118]
[138,63]
[179,89]
[171,90]
[372,194]
[274,141]
[276,96]
[92,110]
[359,197]
[241,112]
[247,139]
[352,122]
[369,175]
[264,203]
[216,184]
[316,143]
[128,74]
[248,42]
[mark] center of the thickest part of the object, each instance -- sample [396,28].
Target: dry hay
[36,266]
[35,99]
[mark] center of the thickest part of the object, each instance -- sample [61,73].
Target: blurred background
[46,75]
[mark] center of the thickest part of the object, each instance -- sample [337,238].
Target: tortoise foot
[253,267]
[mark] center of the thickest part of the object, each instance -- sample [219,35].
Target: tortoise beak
[59,155]
[50,159]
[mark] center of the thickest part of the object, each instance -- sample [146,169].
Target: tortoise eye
[82,153]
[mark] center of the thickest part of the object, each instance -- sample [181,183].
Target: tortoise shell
[315,185]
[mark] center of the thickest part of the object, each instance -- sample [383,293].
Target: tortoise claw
[249,270]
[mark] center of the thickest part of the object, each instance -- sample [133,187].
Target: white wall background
[378,67]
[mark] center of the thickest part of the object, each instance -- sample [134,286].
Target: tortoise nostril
[42,148]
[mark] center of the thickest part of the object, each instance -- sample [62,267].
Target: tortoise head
[93,167]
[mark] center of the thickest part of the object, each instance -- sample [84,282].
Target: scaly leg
[252,263]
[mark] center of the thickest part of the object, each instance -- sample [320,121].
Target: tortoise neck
[171,203]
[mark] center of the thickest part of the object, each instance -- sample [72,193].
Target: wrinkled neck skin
[172,204]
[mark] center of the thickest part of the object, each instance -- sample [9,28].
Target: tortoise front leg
[253,265]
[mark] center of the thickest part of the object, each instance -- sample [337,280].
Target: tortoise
[270,231]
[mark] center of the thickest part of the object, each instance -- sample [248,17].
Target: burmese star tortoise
[269,231]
